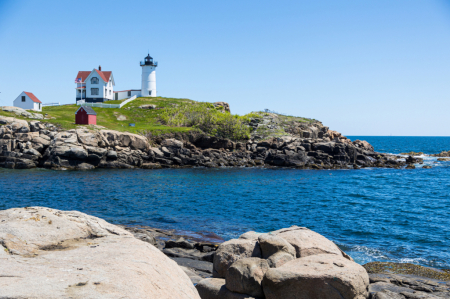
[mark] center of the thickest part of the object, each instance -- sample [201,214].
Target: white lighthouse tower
[148,86]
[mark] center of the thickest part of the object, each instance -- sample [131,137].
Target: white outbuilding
[28,101]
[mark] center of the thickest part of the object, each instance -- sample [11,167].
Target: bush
[208,119]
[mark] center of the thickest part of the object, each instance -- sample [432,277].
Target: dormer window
[94,80]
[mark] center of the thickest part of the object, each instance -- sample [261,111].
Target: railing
[127,101]
[51,104]
[153,63]
[102,105]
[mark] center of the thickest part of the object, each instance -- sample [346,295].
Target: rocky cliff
[273,143]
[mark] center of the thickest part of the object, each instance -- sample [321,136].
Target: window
[110,92]
[150,93]
[23,98]
[94,80]
[94,91]
[129,93]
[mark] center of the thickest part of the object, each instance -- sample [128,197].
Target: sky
[373,67]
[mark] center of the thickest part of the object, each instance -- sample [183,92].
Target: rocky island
[260,139]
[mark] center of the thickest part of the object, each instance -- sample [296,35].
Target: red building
[85,116]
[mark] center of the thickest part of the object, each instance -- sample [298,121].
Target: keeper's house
[94,86]
[28,101]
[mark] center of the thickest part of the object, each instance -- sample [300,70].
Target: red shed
[85,116]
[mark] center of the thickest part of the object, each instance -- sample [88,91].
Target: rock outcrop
[47,253]
[37,144]
[22,112]
[222,105]
[288,263]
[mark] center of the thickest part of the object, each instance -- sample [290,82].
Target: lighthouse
[148,86]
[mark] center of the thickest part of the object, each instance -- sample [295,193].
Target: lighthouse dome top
[149,61]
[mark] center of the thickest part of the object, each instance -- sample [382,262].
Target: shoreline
[25,145]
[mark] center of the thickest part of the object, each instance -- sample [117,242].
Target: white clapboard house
[28,101]
[95,86]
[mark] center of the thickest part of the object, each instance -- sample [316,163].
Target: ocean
[373,214]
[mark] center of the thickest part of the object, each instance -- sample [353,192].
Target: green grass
[172,115]
[145,120]
[117,102]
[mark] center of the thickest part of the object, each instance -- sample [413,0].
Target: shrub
[208,119]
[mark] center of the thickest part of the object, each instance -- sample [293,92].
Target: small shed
[85,116]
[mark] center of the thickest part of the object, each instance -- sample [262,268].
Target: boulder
[231,251]
[326,147]
[215,143]
[279,259]
[41,140]
[75,255]
[24,137]
[225,106]
[214,288]
[172,143]
[156,152]
[24,164]
[75,152]
[124,139]
[180,243]
[307,242]
[245,276]
[386,294]
[66,137]
[319,276]
[88,138]
[147,107]
[32,152]
[271,244]
[363,145]
[111,155]
[251,235]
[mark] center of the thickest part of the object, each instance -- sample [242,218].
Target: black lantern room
[149,61]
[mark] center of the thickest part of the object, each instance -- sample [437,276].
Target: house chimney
[99,67]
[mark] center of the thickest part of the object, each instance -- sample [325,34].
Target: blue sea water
[373,214]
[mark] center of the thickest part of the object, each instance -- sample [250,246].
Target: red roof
[84,74]
[32,97]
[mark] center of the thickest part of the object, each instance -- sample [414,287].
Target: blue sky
[374,67]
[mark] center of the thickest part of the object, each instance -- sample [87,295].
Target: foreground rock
[288,263]
[387,280]
[47,253]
